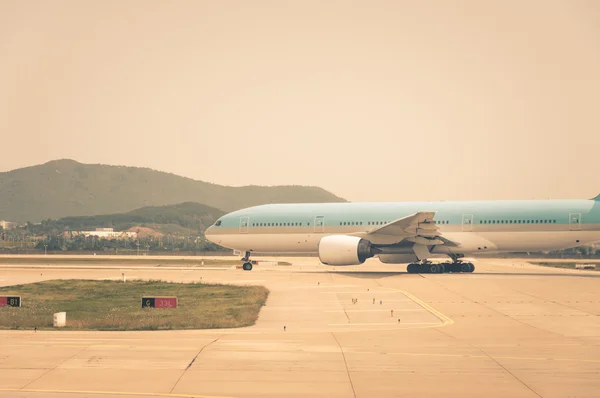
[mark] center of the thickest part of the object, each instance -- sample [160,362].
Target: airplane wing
[418,228]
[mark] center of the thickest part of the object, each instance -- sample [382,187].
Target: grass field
[113,305]
[145,260]
[567,264]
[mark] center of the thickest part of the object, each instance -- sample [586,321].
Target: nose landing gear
[247,266]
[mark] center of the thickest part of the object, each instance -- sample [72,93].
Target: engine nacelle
[344,250]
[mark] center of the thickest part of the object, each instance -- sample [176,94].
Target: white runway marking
[321,286]
[364,292]
[383,324]
[378,310]
[366,299]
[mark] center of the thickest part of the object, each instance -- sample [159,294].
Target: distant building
[6,225]
[107,233]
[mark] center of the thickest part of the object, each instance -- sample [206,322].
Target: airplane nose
[208,234]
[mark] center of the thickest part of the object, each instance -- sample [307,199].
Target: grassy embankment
[112,305]
[142,260]
[567,264]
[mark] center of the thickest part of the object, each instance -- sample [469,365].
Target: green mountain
[183,216]
[64,188]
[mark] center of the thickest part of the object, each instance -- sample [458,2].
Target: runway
[509,329]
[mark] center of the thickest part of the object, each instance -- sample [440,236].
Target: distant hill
[64,188]
[189,216]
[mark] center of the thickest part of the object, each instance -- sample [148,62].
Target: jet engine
[344,250]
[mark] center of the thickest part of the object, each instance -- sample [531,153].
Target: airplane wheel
[471,267]
[442,268]
[247,267]
[411,269]
[465,267]
[433,268]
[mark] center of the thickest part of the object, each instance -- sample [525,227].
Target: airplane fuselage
[483,226]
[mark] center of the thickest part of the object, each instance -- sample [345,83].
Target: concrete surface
[509,329]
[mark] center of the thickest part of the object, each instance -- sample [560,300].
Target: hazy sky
[373,100]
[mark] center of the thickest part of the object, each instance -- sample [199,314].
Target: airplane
[408,232]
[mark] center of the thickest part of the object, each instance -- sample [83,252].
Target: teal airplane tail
[597,198]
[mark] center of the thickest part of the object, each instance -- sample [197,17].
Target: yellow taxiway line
[445,320]
[125,393]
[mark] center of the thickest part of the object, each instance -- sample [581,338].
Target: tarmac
[510,329]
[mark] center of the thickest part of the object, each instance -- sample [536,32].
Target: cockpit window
[218,223]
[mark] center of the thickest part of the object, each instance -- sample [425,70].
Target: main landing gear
[427,267]
[247,263]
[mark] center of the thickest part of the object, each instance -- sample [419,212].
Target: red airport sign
[159,302]
[10,301]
